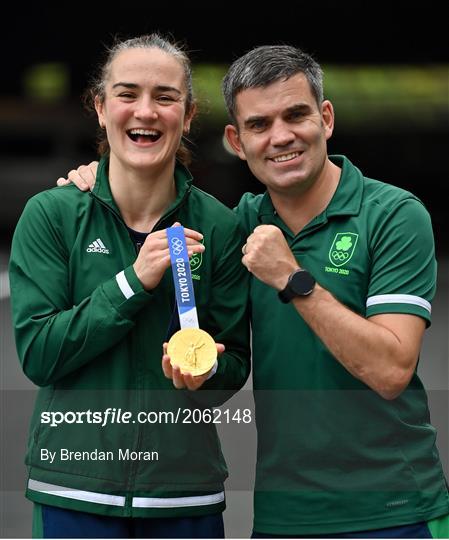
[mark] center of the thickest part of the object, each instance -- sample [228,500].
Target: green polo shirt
[333,456]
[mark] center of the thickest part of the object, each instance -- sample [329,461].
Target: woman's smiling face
[144,108]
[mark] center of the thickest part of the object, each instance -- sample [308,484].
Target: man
[343,276]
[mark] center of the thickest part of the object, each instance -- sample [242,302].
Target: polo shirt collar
[347,198]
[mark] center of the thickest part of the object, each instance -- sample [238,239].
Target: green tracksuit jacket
[91,337]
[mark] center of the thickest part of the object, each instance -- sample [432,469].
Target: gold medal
[193,350]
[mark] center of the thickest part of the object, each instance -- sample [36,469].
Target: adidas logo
[97,246]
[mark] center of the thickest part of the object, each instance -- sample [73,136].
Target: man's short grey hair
[265,65]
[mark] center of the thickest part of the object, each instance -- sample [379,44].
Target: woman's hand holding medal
[154,256]
[185,379]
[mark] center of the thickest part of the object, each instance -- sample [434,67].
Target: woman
[93,301]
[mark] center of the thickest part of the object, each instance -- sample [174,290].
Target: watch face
[302,283]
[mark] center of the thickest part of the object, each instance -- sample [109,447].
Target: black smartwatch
[300,283]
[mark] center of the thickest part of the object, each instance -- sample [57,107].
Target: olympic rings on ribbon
[177,247]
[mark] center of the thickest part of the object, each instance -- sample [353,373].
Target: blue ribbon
[182,278]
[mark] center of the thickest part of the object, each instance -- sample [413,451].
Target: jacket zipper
[130,484]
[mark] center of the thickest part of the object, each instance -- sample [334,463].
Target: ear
[99,107]
[188,119]
[233,138]
[327,114]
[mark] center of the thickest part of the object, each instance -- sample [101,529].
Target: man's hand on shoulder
[83,177]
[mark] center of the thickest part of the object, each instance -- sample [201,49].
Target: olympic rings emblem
[176,246]
[340,255]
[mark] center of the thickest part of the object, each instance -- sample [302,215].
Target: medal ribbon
[182,278]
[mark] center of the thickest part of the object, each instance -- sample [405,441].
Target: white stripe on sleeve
[398,299]
[124,285]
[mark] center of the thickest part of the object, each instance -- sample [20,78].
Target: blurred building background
[386,72]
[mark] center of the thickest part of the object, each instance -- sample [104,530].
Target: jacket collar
[102,188]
